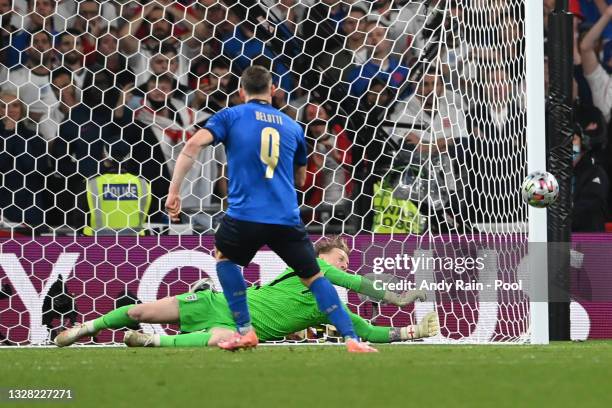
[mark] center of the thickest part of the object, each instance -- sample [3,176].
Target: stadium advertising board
[48,282]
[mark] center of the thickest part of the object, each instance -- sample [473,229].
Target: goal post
[536,160]
[559,139]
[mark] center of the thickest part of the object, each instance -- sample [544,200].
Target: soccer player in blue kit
[266,159]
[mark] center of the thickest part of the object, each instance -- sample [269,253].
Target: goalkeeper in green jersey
[279,308]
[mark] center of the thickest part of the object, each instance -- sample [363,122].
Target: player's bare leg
[161,311]
[164,310]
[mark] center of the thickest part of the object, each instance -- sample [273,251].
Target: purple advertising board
[49,282]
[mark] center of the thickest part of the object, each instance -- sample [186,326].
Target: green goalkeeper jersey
[279,308]
[285,305]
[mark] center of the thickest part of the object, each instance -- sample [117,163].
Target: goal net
[415,118]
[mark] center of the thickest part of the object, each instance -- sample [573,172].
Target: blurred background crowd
[414,111]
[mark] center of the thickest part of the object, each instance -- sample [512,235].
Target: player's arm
[300,176]
[367,287]
[300,160]
[587,45]
[427,327]
[187,157]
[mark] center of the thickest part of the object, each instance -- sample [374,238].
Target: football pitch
[558,375]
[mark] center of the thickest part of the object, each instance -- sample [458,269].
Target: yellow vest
[394,216]
[118,204]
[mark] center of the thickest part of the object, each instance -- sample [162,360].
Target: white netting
[414,113]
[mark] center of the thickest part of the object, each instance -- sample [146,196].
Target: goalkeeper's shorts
[204,310]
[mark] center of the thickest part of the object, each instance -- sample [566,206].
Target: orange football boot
[237,342]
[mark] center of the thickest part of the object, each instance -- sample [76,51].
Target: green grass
[558,375]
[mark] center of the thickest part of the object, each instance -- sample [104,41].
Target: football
[540,189]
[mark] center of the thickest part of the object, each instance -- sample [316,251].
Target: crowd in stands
[425,95]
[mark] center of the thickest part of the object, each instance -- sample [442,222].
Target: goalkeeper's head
[256,83]
[334,251]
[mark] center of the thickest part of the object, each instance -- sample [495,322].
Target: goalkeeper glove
[404,298]
[427,327]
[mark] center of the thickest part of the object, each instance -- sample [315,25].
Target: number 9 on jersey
[270,147]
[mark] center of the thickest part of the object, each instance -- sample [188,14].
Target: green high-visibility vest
[394,216]
[118,204]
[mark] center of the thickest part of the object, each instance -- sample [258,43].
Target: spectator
[496,115]
[216,90]
[215,26]
[100,14]
[497,128]
[438,132]
[184,18]
[330,164]
[244,48]
[63,97]
[89,126]
[591,11]
[435,108]
[594,132]
[68,41]
[89,22]
[159,125]
[108,57]
[374,107]
[321,25]
[590,187]
[382,64]
[369,154]
[455,49]
[352,51]
[87,130]
[157,24]
[166,61]
[597,77]
[69,48]
[7,30]
[405,23]
[39,18]
[511,46]
[290,12]
[31,82]
[23,166]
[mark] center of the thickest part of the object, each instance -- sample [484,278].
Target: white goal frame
[536,160]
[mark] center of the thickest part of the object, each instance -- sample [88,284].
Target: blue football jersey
[262,145]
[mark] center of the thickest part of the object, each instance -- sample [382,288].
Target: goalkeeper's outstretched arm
[365,286]
[334,258]
[427,327]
